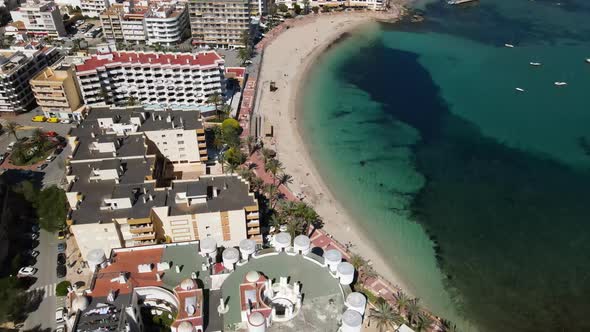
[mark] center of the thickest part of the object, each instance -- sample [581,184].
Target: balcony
[254,231]
[143,236]
[253,216]
[141,229]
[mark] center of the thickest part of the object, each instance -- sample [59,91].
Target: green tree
[274,167]
[402,300]
[234,158]
[250,142]
[272,192]
[297,9]
[283,8]
[39,139]
[413,311]
[51,206]
[245,53]
[12,127]
[315,10]
[357,261]
[226,111]
[302,212]
[384,317]
[132,101]
[62,288]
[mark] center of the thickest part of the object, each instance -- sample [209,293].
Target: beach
[286,62]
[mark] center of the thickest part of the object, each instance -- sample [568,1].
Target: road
[44,316]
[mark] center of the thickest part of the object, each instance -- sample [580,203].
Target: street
[44,316]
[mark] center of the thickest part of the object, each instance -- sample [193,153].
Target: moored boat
[560,83]
[536,64]
[509,45]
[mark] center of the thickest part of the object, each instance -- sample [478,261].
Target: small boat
[509,45]
[520,89]
[588,60]
[458,2]
[560,83]
[535,63]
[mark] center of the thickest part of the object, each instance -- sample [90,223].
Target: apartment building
[219,23]
[93,8]
[125,187]
[156,24]
[16,69]
[40,18]
[152,79]
[56,91]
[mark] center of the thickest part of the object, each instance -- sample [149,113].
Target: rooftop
[150,120]
[202,59]
[323,296]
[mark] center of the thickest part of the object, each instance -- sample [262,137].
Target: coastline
[287,62]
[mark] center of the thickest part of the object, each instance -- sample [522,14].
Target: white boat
[509,45]
[458,2]
[520,89]
[588,60]
[535,63]
[560,83]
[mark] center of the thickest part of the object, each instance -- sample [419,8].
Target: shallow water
[477,193]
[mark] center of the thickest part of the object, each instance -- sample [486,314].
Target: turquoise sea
[478,194]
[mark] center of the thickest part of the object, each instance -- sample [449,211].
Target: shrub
[62,288]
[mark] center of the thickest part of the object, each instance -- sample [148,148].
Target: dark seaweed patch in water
[510,227]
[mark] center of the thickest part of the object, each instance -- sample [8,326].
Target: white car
[60,314]
[66,121]
[11,146]
[60,328]
[28,271]
[50,158]
[34,236]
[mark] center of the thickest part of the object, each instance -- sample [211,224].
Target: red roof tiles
[203,59]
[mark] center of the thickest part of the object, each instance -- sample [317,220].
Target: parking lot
[54,173]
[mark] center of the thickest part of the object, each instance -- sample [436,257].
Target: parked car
[61,247]
[66,121]
[32,253]
[60,314]
[39,118]
[61,235]
[41,167]
[2,157]
[53,120]
[35,228]
[32,236]
[50,133]
[61,259]
[11,146]
[50,158]
[61,271]
[26,272]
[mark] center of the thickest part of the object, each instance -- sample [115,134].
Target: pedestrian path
[47,290]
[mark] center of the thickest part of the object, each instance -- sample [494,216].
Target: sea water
[478,194]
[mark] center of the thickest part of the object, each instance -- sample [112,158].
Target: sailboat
[509,45]
[520,89]
[560,83]
[536,64]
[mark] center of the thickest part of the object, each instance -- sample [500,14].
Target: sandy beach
[286,61]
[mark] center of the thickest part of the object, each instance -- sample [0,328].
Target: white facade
[96,236]
[158,79]
[93,8]
[16,69]
[40,18]
[166,25]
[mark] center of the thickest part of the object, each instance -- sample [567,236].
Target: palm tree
[226,110]
[275,222]
[267,154]
[131,101]
[368,273]
[423,322]
[256,183]
[357,261]
[413,311]
[271,190]
[12,127]
[284,178]
[216,99]
[294,228]
[38,139]
[230,167]
[250,142]
[274,167]
[384,316]
[402,301]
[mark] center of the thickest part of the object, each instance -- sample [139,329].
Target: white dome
[252,276]
[80,303]
[356,300]
[302,242]
[351,318]
[345,268]
[188,284]
[208,245]
[247,246]
[231,254]
[283,240]
[256,319]
[185,327]
[333,256]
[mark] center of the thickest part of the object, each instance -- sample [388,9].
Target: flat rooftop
[150,120]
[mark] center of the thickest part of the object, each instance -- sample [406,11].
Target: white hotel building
[174,80]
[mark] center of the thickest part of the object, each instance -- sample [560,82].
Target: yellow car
[39,118]
[53,120]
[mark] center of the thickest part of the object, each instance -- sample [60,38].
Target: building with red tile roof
[167,80]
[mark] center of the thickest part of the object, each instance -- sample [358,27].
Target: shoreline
[304,47]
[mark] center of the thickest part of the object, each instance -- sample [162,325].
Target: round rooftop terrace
[323,295]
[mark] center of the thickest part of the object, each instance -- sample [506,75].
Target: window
[181,150]
[180,142]
[165,143]
[178,135]
[164,135]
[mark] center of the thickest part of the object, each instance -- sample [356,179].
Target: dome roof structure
[188,284]
[252,276]
[185,327]
[80,303]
